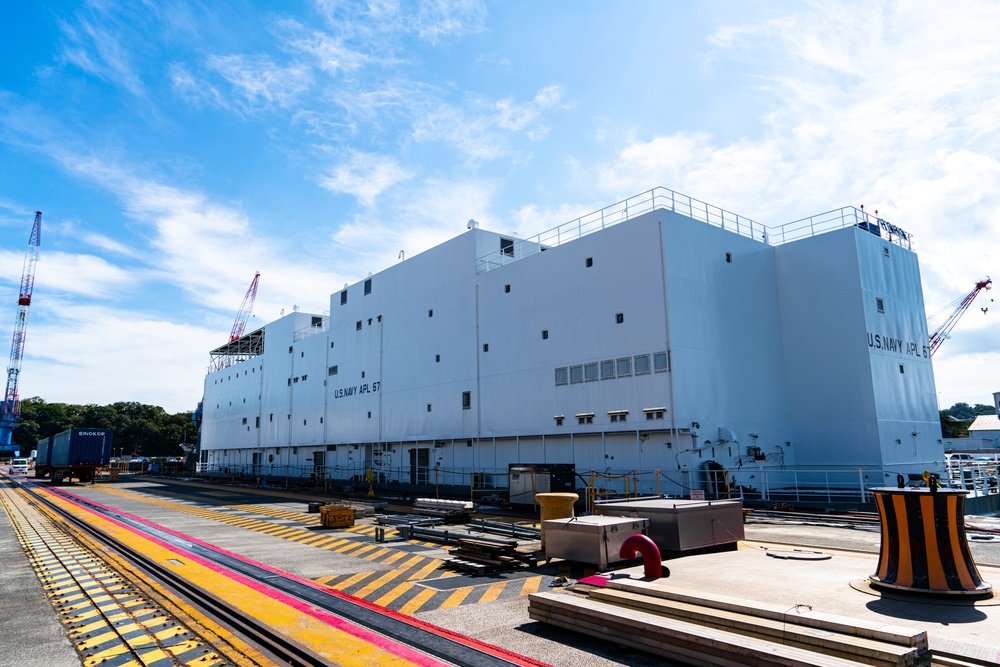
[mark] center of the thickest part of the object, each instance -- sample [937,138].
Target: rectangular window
[357,327]
[624,367]
[660,362]
[368,286]
[506,288]
[653,413]
[589,262]
[559,420]
[575,374]
[333,370]
[901,368]
[879,304]
[270,417]
[507,247]
[305,377]
[317,321]
[257,422]
[295,380]
[289,382]
[585,418]
[619,318]
[430,312]
[608,369]
[641,364]
[545,334]
[343,297]
[562,376]
[244,421]
[466,400]
[590,372]
[486,347]
[290,349]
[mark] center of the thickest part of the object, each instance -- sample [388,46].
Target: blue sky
[175,148]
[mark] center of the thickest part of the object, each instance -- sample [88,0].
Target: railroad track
[378,625]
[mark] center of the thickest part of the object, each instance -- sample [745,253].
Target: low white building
[987,428]
[656,339]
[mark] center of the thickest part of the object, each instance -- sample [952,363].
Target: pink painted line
[336,621]
[364,634]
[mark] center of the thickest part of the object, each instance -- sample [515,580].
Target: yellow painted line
[350,546]
[493,592]
[456,598]
[396,556]
[336,543]
[329,643]
[365,549]
[418,600]
[530,586]
[391,596]
[425,570]
[377,554]
[353,579]
[373,586]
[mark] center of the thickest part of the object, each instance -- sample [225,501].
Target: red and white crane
[235,349]
[245,309]
[11,409]
[942,332]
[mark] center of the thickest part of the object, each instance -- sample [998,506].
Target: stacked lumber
[715,630]
[482,556]
[450,511]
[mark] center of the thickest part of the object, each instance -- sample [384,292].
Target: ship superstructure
[660,338]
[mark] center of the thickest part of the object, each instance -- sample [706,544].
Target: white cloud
[262,82]
[887,104]
[432,212]
[91,354]
[93,45]
[430,20]
[330,53]
[481,130]
[365,176]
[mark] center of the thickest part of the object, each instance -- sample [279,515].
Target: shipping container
[76,452]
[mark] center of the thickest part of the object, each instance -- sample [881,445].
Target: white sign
[697,494]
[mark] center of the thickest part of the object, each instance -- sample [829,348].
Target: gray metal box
[682,525]
[590,539]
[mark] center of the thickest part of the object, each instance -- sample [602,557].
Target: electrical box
[590,539]
[527,479]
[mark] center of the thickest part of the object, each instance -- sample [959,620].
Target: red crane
[941,334]
[245,309]
[11,409]
[228,354]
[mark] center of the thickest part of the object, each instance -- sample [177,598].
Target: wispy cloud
[93,43]
[481,128]
[431,20]
[365,176]
[261,82]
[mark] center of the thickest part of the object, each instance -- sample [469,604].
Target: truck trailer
[76,452]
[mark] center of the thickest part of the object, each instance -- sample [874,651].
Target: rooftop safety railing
[661,198]
[847,216]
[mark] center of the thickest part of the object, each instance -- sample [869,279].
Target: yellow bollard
[555,506]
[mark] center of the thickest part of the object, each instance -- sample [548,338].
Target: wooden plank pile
[484,555]
[716,630]
[449,511]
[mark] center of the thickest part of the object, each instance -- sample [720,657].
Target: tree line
[144,430]
[955,421]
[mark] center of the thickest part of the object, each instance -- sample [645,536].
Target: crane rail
[447,647]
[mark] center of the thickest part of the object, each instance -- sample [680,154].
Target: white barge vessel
[660,344]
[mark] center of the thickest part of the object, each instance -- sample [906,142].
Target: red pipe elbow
[652,565]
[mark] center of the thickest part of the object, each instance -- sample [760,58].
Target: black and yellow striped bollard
[924,548]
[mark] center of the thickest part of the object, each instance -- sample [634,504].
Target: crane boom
[245,309]
[11,409]
[941,334]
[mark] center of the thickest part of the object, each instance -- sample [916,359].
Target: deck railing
[661,198]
